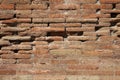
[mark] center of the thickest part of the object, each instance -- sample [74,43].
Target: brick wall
[59,39]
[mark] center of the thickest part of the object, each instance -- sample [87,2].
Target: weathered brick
[16,38]
[77,38]
[25,61]
[6,6]
[8,61]
[97,6]
[47,20]
[6,14]
[16,1]
[23,77]
[17,47]
[6,52]
[23,13]
[12,29]
[73,24]
[67,7]
[109,1]
[65,51]
[83,67]
[14,56]
[56,1]
[4,43]
[80,20]
[40,43]
[39,14]
[118,6]
[81,1]
[7,72]
[32,6]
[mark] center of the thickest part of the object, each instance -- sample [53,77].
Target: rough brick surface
[59,39]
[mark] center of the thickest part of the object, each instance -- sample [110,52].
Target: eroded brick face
[59,39]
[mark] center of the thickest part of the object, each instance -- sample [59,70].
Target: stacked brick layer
[59,39]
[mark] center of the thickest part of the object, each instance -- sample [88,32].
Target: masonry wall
[59,39]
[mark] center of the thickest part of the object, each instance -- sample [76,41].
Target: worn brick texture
[59,39]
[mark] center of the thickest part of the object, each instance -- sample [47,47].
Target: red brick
[23,13]
[40,43]
[25,61]
[40,52]
[109,1]
[97,16]
[16,1]
[6,52]
[56,1]
[17,47]
[74,29]
[32,6]
[47,29]
[6,6]
[57,25]
[39,14]
[83,67]
[56,15]
[14,56]
[118,6]
[97,6]
[73,25]
[3,43]
[8,61]
[23,20]
[6,14]
[11,21]
[47,20]
[7,72]
[81,1]
[55,38]
[24,52]
[67,7]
